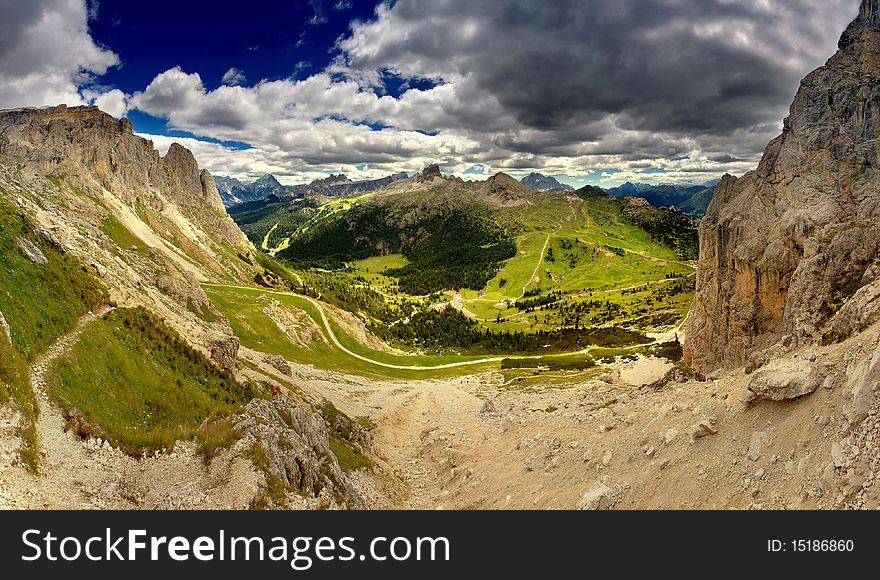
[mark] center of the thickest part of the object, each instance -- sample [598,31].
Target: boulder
[702,429]
[488,408]
[279,364]
[863,379]
[786,379]
[758,444]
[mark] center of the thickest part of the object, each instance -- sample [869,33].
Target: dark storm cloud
[681,68]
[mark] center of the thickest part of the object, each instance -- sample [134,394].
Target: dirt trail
[76,474]
[69,473]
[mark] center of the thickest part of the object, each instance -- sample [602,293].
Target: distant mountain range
[234,192]
[690,199]
[541,182]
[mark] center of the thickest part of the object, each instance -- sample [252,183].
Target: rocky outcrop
[292,444]
[96,152]
[224,352]
[429,174]
[785,248]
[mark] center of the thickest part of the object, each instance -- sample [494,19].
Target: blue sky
[589,91]
[265,39]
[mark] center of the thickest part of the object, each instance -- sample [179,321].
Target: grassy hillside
[140,384]
[40,302]
[268,224]
[447,247]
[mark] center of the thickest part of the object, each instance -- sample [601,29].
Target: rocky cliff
[791,249]
[151,226]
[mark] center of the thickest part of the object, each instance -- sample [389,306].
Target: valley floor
[479,442]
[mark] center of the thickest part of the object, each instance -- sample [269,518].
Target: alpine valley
[171,339]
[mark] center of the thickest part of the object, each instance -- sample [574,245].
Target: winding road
[332,336]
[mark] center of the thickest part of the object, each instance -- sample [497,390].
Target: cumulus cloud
[114,101]
[46,53]
[685,68]
[234,77]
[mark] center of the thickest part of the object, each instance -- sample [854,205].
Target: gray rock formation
[541,182]
[786,247]
[294,448]
[31,251]
[224,352]
[428,174]
[96,152]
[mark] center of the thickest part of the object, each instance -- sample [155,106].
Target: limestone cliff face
[91,148]
[789,247]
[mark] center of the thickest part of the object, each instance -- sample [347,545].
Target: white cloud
[46,53]
[234,77]
[113,102]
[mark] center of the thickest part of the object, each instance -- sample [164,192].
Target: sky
[590,91]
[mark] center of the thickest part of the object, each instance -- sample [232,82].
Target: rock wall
[787,246]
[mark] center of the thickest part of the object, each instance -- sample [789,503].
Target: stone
[858,395]
[702,429]
[488,408]
[599,498]
[670,436]
[607,457]
[31,251]
[759,441]
[786,379]
[838,455]
[279,364]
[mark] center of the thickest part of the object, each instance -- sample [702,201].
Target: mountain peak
[267,179]
[540,182]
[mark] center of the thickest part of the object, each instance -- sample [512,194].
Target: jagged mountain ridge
[540,182]
[234,192]
[792,248]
